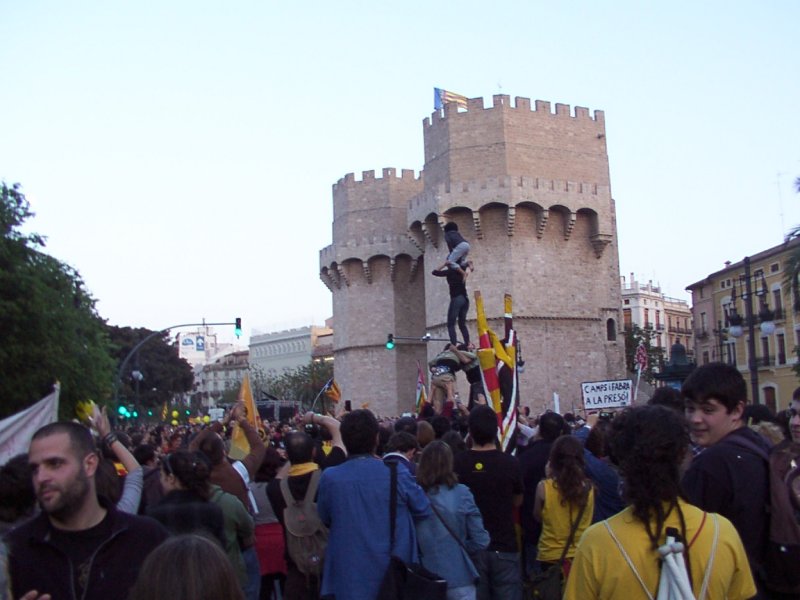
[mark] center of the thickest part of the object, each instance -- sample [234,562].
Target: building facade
[529,188]
[224,373]
[723,294]
[272,354]
[669,319]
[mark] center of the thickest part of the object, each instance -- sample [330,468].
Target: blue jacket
[439,551]
[353,501]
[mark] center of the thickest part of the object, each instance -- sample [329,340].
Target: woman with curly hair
[619,557]
[564,498]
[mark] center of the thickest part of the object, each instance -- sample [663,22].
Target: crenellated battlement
[389,174]
[521,105]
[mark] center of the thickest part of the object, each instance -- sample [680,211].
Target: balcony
[701,334]
[763,362]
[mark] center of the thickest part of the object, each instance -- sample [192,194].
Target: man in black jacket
[728,477]
[79,546]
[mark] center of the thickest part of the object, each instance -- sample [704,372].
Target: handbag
[402,580]
[549,585]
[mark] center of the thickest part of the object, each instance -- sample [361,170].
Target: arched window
[611,330]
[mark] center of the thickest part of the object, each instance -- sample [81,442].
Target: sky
[180,155]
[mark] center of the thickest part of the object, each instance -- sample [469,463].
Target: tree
[655,356]
[300,385]
[163,372]
[49,327]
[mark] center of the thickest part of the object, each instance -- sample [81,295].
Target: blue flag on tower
[442,97]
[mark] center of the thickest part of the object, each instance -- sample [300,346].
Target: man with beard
[79,546]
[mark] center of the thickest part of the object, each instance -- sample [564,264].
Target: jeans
[455,259]
[253,589]
[499,574]
[464,592]
[458,310]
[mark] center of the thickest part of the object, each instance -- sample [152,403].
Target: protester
[270,542]
[619,557]
[152,492]
[564,501]
[401,449]
[598,467]
[532,463]
[79,546]
[456,528]
[495,480]
[17,496]
[728,476]
[354,503]
[459,303]
[234,478]
[185,507]
[108,486]
[187,567]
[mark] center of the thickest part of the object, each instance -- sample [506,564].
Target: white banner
[606,394]
[16,431]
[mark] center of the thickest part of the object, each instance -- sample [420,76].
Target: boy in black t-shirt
[495,480]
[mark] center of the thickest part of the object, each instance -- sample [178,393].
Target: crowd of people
[320,505]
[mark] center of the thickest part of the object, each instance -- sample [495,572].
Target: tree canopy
[163,372]
[300,385]
[49,327]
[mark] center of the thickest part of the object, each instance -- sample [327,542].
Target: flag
[442,97]
[641,357]
[422,397]
[240,447]
[16,431]
[332,391]
[499,374]
[164,411]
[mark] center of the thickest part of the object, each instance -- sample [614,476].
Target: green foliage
[301,385]
[164,373]
[49,328]
[655,355]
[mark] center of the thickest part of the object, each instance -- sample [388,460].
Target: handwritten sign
[606,394]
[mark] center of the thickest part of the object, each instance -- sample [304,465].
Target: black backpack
[779,569]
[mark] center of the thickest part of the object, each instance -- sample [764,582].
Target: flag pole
[324,387]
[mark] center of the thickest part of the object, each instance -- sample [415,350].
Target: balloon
[174,422]
[206,419]
[174,415]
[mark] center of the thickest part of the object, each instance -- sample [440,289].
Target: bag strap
[573,528]
[312,486]
[287,495]
[449,530]
[628,560]
[712,555]
[392,502]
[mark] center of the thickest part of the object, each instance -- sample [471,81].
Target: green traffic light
[188,412]
[390,342]
[237,329]
[149,413]
[135,414]
[122,410]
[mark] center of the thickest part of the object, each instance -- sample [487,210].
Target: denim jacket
[439,551]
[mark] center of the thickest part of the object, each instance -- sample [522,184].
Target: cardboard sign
[606,394]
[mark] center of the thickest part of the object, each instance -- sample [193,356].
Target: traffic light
[188,412]
[390,342]
[149,413]
[122,410]
[237,328]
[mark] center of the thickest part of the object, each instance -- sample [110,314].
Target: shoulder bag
[406,581]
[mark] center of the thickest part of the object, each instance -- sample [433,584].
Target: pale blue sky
[181,154]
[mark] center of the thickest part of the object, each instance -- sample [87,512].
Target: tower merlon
[388,174]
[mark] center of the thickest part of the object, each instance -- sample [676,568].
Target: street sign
[606,394]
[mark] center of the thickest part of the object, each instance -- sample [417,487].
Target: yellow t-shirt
[599,569]
[557,519]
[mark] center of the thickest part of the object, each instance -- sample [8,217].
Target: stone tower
[530,190]
[374,271]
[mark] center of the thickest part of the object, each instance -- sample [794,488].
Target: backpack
[673,582]
[779,568]
[306,536]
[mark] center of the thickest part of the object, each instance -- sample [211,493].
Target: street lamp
[765,316]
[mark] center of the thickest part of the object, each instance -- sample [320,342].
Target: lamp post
[765,316]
